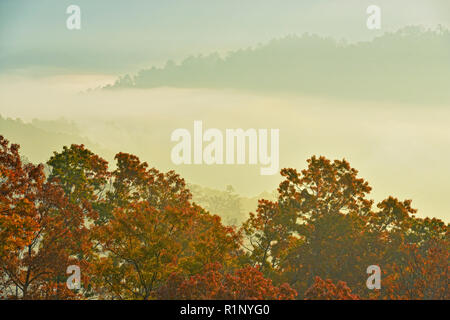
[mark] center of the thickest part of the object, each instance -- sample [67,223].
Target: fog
[401,150]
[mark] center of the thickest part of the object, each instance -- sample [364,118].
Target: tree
[19,183]
[83,176]
[419,273]
[324,188]
[321,212]
[154,231]
[269,234]
[38,227]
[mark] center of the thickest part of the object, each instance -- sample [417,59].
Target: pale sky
[123,36]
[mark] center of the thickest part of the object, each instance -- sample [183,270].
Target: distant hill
[39,139]
[411,65]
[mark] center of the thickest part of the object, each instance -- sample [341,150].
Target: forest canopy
[135,233]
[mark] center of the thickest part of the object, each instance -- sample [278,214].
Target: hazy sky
[123,36]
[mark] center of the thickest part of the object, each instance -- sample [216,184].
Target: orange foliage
[327,290]
[38,229]
[136,234]
[213,283]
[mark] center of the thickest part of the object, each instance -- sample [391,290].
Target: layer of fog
[402,151]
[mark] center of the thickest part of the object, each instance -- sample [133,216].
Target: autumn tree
[19,183]
[83,176]
[38,226]
[416,252]
[321,212]
[323,225]
[269,233]
[154,231]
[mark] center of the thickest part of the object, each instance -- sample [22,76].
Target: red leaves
[153,231]
[38,227]
[327,290]
[323,225]
[214,283]
[18,190]
[133,181]
[136,235]
[324,188]
[420,273]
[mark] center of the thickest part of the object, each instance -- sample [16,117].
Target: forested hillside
[39,137]
[411,65]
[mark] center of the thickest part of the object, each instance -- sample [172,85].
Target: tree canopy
[135,233]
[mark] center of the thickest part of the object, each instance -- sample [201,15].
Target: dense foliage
[135,233]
